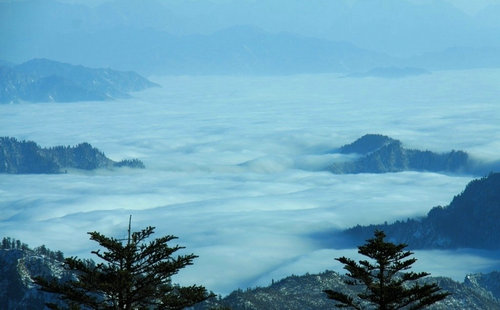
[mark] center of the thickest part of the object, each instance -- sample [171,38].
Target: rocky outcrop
[489,282]
[18,268]
[23,157]
[306,292]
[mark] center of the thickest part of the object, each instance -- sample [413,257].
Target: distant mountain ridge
[26,157]
[457,57]
[235,50]
[43,80]
[165,37]
[381,154]
[391,72]
[471,220]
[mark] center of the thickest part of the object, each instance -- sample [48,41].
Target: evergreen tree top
[133,274]
[386,283]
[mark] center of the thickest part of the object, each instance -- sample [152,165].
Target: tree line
[14,244]
[135,273]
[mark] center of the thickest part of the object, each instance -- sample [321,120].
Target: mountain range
[235,50]
[27,157]
[43,80]
[251,37]
[471,220]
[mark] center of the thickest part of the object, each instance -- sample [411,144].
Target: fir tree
[386,284]
[132,275]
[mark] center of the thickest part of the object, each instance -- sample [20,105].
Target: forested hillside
[22,157]
[471,220]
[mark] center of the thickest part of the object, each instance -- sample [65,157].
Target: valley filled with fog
[236,167]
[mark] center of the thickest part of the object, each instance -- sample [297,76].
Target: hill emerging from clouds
[43,80]
[376,153]
[27,157]
[471,220]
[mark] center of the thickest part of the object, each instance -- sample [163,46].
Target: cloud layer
[234,166]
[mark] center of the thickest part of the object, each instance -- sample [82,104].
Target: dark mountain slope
[367,144]
[471,220]
[22,157]
[381,154]
[18,266]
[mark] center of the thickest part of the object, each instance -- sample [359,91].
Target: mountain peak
[381,154]
[367,144]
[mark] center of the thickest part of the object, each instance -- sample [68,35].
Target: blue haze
[237,139]
[156,36]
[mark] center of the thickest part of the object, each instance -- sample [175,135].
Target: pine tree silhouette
[133,274]
[386,284]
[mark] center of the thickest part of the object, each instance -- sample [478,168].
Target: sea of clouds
[236,168]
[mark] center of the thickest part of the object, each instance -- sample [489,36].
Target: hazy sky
[149,37]
[469,6]
[474,6]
